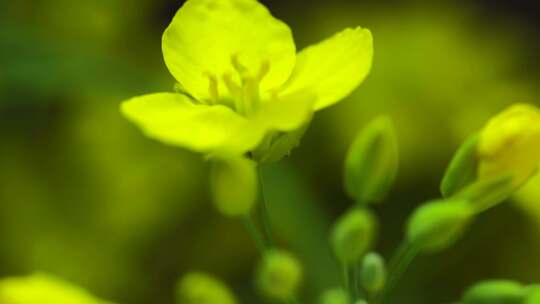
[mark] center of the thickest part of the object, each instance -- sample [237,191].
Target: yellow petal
[286,113]
[205,36]
[333,68]
[174,119]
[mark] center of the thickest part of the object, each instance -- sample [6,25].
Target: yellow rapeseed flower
[510,144]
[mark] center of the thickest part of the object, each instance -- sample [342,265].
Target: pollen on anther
[235,61]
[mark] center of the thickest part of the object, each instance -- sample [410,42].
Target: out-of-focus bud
[41,288]
[510,143]
[462,169]
[484,194]
[234,184]
[495,292]
[373,272]
[372,161]
[335,296]
[533,295]
[197,288]
[279,275]
[353,235]
[436,225]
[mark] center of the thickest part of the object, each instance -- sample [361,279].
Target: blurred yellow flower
[43,289]
[510,143]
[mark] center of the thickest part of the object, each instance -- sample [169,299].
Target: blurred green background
[84,195]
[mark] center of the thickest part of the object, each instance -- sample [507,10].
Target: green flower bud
[373,272]
[198,288]
[335,296]
[462,169]
[436,225]
[234,185]
[353,235]
[495,292]
[279,275]
[372,162]
[41,288]
[487,193]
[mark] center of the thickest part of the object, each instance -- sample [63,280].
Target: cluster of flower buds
[370,170]
[486,170]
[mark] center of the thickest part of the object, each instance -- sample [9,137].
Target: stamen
[213,88]
[246,93]
[236,92]
[242,70]
[265,68]
[250,95]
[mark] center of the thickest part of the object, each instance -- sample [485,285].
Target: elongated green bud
[373,272]
[197,288]
[495,292]
[335,296]
[372,161]
[353,235]
[279,275]
[487,193]
[436,225]
[463,168]
[234,185]
[42,288]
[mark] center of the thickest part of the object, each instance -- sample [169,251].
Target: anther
[238,66]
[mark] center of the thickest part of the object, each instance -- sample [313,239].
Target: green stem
[355,281]
[263,211]
[399,263]
[346,280]
[255,234]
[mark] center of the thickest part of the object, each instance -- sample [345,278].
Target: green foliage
[279,275]
[372,162]
[198,288]
[234,185]
[436,225]
[353,235]
[495,292]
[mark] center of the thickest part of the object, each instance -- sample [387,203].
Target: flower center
[245,92]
